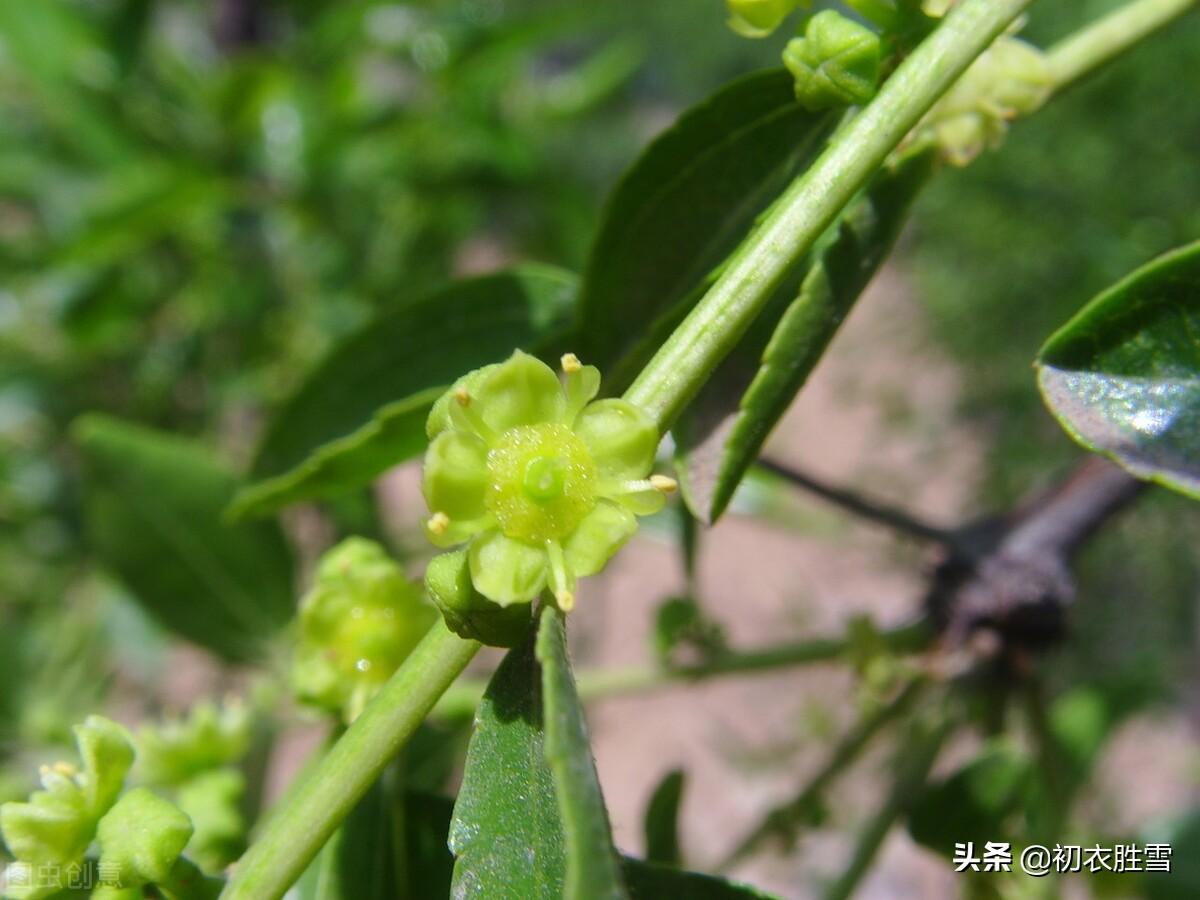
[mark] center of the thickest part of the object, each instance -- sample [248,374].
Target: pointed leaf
[364,408]
[1123,376]
[662,820]
[973,803]
[593,871]
[683,207]
[507,835]
[724,429]
[154,505]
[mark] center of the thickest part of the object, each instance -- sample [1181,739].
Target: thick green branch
[811,204]
[1091,47]
[307,818]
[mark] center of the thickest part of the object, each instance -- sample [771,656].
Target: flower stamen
[438,523]
[562,582]
[466,416]
[664,484]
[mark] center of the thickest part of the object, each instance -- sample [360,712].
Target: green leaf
[506,834]
[363,409]
[154,516]
[683,207]
[724,429]
[648,881]
[662,820]
[1123,376]
[360,861]
[592,864]
[142,837]
[972,804]
[1183,882]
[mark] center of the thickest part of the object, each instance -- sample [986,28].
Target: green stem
[810,205]
[912,770]
[306,819]
[784,819]
[1091,47]
[460,701]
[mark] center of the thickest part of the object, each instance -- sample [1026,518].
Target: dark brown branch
[1022,586]
[873,510]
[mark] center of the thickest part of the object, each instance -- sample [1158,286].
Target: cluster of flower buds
[358,622]
[537,483]
[141,836]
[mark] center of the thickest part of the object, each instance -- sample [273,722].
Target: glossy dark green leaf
[363,409]
[662,820]
[507,835]
[683,207]
[649,881]
[154,518]
[973,803]
[593,871]
[1123,376]
[724,429]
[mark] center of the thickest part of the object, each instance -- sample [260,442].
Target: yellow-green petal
[621,438]
[522,391]
[455,477]
[439,415]
[505,570]
[601,534]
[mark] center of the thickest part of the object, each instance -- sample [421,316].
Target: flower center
[541,483]
[544,478]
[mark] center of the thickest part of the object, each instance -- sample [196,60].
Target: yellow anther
[463,396]
[439,522]
[65,768]
[566,600]
[664,484]
[571,363]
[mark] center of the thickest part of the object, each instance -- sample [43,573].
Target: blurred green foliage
[198,198]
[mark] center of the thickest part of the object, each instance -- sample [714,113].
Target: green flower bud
[836,63]
[758,18]
[358,622]
[213,803]
[1010,79]
[173,751]
[467,612]
[541,483]
[141,838]
[56,825]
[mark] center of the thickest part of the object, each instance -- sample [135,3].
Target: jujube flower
[541,482]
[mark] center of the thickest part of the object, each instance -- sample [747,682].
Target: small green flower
[542,483]
[836,63]
[1010,79]
[175,750]
[358,622]
[758,18]
[56,826]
